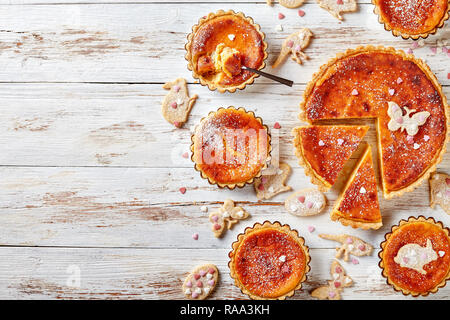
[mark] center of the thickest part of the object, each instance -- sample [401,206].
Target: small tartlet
[410,33]
[209,129]
[395,273]
[206,37]
[285,256]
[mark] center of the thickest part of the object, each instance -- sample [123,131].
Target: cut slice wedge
[358,206]
[323,150]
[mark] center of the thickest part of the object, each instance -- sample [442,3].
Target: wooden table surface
[90,206]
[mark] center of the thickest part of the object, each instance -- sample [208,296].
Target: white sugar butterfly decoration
[405,122]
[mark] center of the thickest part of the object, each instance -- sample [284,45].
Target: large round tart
[230,147]
[415,257]
[220,44]
[269,261]
[370,82]
[412,19]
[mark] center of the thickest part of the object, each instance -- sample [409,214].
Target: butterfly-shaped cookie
[294,44]
[405,122]
[339,281]
[227,216]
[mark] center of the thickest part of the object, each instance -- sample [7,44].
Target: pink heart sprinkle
[448,74]
[447,193]
[337,284]
[409,51]
[195,236]
[298,48]
[399,80]
[276,125]
[426,137]
[410,139]
[199,284]
[211,271]
[405,259]
[362,247]
[447,181]
[290,44]
[340,141]
[309,205]
[217,226]
[177,124]
[311,228]
[196,276]
[448,54]
[176,88]
[194,295]
[281,16]
[338,270]
[185,155]
[414,45]
[433,50]
[301,199]
[391,92]
[215,218]
[331,293]
[264,180]
[339,2]
[399,120]
[202,273]
[189,284]
[174,105]
[261,187]
[301,13]
[355,92]
[349,240]
[211,282]
[183,190]
[285,268]
[355,261]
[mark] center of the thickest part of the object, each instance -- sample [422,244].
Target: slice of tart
[358,205]
[415,257]
[399,91]
[411,19]
[324,150]
[269,261]
[230,147]
[220,44]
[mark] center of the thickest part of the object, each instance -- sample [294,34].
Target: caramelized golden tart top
[415,257]
[326,149]
[220,45]
[230,147]
[412,18]
[358,204]
[364,83]
[269,261]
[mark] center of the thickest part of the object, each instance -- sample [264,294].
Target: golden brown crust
[423,66]
[231,186]
[405,35]
[275,225]
[383,245]
[214,86]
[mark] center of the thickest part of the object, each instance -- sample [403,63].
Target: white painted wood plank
[179,2]
[145,42]
[131,207]
[47,273]
[121,125]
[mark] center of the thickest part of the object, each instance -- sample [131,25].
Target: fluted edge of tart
[406,35]
[431,76]
[383,244]
[277,226]
[213,86]
[231,186]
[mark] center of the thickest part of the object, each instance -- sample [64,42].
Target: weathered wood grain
[48,273]
[145,42]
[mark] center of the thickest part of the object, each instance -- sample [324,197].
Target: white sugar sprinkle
[282,258]
[441,253]
[426,138]
[204,209]
[279,27]
[391,92]
[270,189]
[321,143]
[355,92]
[362,190]
[340,141]
[231,37]
[399,80]
[416,146]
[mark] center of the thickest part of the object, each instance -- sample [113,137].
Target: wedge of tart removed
[323,150]
[358,205]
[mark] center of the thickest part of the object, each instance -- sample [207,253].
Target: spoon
[270,76]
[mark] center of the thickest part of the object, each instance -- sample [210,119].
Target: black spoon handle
[270,76]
